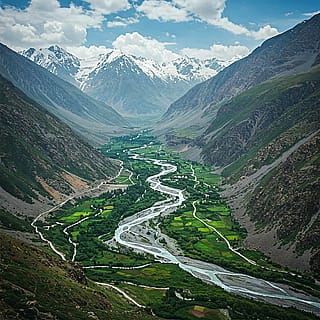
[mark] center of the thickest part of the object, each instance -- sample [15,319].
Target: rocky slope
[41,157]
[287,199]
[291,52]
[267,138]
[94,120]
[58,61]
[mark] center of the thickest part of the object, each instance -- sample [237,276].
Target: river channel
[141,231]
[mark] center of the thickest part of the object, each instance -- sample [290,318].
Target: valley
[170,223]
[151,179]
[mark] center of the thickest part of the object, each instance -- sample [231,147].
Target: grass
[196,239]
[144,295]
[74,217]
[34,284]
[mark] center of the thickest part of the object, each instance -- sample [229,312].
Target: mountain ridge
[41,158]
[293,51]
[132,85]
[92,119]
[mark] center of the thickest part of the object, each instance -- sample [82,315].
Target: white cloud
[209,11]
[109,6]
[44,23]
[206,10]
[163,11]
[122,22]
[264,33]
[138,45]
[83,52]
[218,51]
[310,14]
[170,35]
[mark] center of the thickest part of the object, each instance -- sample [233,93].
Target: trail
[121,292]
[59,205]
[230,281]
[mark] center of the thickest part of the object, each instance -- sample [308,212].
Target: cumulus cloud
[136,44]
[84,52]
[218,51]
[209,11]
[163,11]
[264,33]
[109,6]
[43,23]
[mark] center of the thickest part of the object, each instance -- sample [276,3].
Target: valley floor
[168,242]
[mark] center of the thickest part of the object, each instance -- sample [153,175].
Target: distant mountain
[132,85]
[137,86]
[92,119]
[291,52]
[41,157]
[58,61]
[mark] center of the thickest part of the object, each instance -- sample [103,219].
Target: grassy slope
[34,285]
[251,121]
[258,126]
[36,144]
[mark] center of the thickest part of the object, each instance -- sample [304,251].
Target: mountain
[250,121]
[58,61]
[268,141]
[35,285]
[138,86]
[258,123]
[92,119]
[41,158]
[291,52]
[133,85]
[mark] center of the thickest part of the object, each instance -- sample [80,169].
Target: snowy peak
[70,68]
[56,60]
[132,85]
[181,69]
[193,69]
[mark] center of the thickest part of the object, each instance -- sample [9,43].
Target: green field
[197,240]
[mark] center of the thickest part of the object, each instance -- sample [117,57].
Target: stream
[139,233]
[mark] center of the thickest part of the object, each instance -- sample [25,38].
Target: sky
[161,30]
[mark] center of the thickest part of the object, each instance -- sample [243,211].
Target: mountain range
[258,122]
[134,86]
[92,119]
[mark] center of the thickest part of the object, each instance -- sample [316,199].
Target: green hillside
[34,285]
[258,125]
[38,150]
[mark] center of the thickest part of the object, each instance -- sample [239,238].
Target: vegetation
[34,285]
[164,287]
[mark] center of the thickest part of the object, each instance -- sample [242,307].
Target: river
[138,233]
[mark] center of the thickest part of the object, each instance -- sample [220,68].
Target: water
[231,282]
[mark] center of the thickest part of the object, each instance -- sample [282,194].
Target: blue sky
[157,29]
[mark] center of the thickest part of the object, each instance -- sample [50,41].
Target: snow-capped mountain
[135,85]
[132,85]
[57,60]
